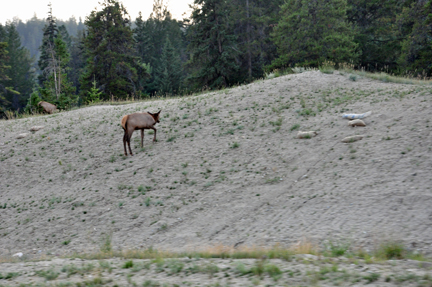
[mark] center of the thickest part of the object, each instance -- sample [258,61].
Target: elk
[138,121]
[47,107]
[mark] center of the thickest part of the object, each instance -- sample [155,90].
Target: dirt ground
[227,169]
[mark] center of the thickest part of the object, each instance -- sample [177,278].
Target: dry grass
[305,246]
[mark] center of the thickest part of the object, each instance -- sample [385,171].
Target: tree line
[222,43]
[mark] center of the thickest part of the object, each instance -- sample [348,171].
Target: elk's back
[140,121]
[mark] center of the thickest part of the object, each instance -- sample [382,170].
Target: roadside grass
[310,269]
[386,250]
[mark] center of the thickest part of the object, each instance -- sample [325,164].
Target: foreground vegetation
[336,264]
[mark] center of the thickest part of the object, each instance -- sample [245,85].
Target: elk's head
[155,116]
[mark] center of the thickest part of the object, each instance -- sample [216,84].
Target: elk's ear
[149,113]
[158,112]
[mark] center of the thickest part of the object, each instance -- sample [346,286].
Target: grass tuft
[390,250]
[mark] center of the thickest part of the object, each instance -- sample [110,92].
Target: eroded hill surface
[227,169]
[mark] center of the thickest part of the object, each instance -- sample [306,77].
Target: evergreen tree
[50,32]
[377,33]
[110,52]
[416,54]
[143,50]
[2,33]
[77,60]
[32,30]
[169,76]
[32,103]
[63,33]
[31,33]
[312,32]
[22,74]
[253,21]
[57,89]
[3,77]
[212,45]
[151,35]
[93,96]
[53,63]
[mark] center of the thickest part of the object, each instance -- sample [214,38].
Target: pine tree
[151,35]
[22,74]
[63,33]
[94,94]
[3,77]
[376,32]
[2,33]
[110,52]
[416,54]
[57,88]
[31,33]
[77,60]
[253,21]
[50,32]
[169,76]
[212,45]
[312,32]
[15,83]
[53,63]
[143,50]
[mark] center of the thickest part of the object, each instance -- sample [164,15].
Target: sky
[63,10]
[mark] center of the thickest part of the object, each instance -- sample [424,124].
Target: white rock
[352,139]
[36,128]
[306,135]
[21,136]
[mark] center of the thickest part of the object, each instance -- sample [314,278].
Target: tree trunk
[248,41]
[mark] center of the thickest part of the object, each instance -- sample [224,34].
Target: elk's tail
[124,122]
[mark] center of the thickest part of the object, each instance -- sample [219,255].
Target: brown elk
[47,107]
[138,121]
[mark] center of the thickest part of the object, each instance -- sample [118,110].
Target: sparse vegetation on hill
[227,169]
[218,45]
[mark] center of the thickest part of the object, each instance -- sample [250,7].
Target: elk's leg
[142,137]
[154,138]
[124,142]
[128,141]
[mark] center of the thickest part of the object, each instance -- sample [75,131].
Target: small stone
[21,136]
[352,139]
[36,128]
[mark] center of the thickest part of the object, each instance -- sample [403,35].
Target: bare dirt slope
[227,169]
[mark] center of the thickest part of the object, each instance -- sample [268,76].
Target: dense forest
[222,43]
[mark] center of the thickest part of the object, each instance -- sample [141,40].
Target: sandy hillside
[227,169]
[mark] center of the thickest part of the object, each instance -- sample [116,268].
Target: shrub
[390,250]
[273,271]
[128,264]
[48,274]
[32,104]
[338,249]
[371,277]
[106,244]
